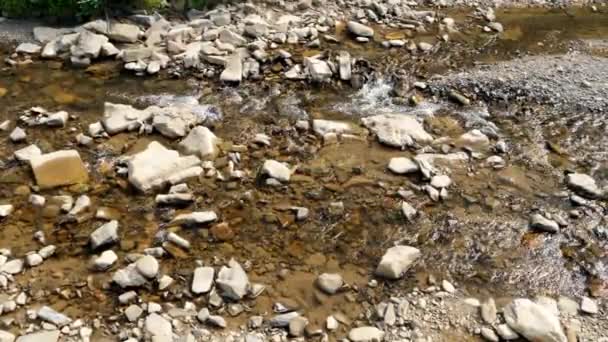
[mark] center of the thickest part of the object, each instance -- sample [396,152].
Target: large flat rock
[59,168]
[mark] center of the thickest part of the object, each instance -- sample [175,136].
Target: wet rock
[33,259]
[82,203]
[441,181]
[584,185]
[276,170]
[158,326]
[402,165]
[49,315]
[330,283]
[397,130]
[538,221]
[200,141]
[318,70]
[17,135]
[506,333]
[105,260]
[41,336]
[533,321]
[14,266]
[282,320]
[88,45]
[297,326]
[589,306]
[133,312]
[119,117]
[233,281]
[233,72]
[344,65]
[128,277]
[202,281]
[28,48]
[195,218]
[396,261]
[58,169]
[147,266]
[366,334]
[488,311]
[6,210]
[359,29]
[105,235]
[474,140]
[408,211]
[489,335]
[157,166]
[27,153]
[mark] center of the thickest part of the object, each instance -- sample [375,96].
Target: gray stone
[282,320]
[41,336]
[105,260]
[488,311]
[148,266]
[396,261]
[33,259]
[217,321]
[17,135]
[584,185]
[227,36]
[233,72]
[323,127]
[27,153]
[397,130]
[119,117]
[49,315]
[156,325]
[567,306]
[402,165]
[133,312]
[6,336]
[14,266]
[202,281]
[506,333]
[233,281]
[44,34]
[366,334]
[156,166]
[277,170]
[359,29]
[441,181]
[128,277]
[297,326]
[330,283]
[88,45]
[538,221]
[28,48]
[318,70]
[195,218]
[344,63]
[489,335]
[589,306]
[104,235]
[408,211]
[533,321]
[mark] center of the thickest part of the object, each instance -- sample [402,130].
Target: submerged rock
[396,261]
[59,168]
[397,130]
[533,321]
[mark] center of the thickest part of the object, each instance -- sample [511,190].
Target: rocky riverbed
[360,171]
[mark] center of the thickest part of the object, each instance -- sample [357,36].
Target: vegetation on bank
[79,9]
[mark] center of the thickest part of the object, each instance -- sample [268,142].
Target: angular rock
[233,281]
[233,71]
[49,315]
[59,168]
[133,312]
[538,221]
[119,117]
[276,170]
[506,333]
[408,211]
[474,140]
[227,36]
[41,336]
[88,45]
[359,29]
[44,34]
[489,335]
[128,277]
[344,63]
[156,166]
[402,165]
[396,261]
[202,280]
[584,185]
[533,321]
[28,48]
[488,311]
[105,235]
[330,283]
[17,135]
[366,334]
[318,70]
[158,326]
[397,130]
[105,260]
[589,306]
[297,326]
[195,218]
[27,153]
